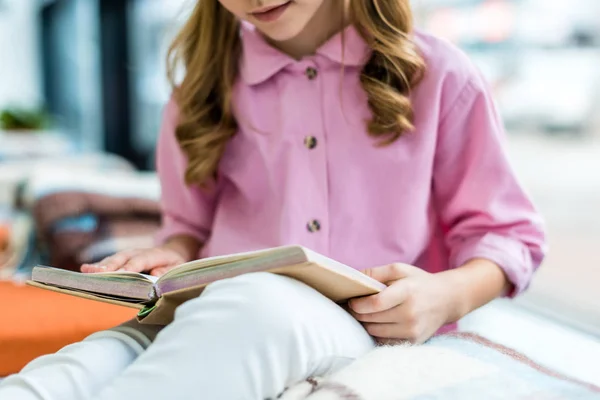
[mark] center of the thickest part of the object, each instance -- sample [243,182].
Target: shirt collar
[260,61]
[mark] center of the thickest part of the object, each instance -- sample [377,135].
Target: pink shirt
[302,169]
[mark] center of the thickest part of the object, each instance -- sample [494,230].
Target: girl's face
[279,20]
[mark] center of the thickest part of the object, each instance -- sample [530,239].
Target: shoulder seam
[460,99]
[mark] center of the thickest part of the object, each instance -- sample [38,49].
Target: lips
[271,13]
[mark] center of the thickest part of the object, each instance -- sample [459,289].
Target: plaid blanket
[455,366]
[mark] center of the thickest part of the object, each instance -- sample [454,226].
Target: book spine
[154,296]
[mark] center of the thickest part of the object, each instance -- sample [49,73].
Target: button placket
[313,226]
[313,141]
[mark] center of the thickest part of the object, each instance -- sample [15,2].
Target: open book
[157,298]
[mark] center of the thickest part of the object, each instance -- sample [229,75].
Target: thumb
[393,272]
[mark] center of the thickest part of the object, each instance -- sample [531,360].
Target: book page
[342,269]
[126,275]
[90,296]
[117,283]
[227,259]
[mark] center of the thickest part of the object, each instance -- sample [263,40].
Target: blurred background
[82,86]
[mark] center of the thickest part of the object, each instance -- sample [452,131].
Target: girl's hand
[156,260]
[413,307]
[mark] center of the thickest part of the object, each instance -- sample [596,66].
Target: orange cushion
[34,322]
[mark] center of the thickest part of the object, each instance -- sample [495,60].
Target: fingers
[136,261]
[161,270]
[392,315]
[140,263]
[394,332]
[150,260]
[111,263]
[399,323]
[92,268]
[393,272]
[387,299]
[403,315]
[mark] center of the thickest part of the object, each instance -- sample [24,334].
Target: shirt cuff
[174,227]
[509,254]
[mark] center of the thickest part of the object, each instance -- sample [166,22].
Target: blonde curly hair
[209,47]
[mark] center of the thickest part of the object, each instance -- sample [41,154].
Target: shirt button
[310,142]
[311,73]
[313,226]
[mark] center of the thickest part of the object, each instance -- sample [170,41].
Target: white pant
[246,338]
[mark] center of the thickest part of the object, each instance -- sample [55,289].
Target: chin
[279,35]
[289,26]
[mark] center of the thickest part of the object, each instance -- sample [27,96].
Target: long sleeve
[483,207]
[185,209]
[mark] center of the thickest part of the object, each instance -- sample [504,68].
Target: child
[326,123]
